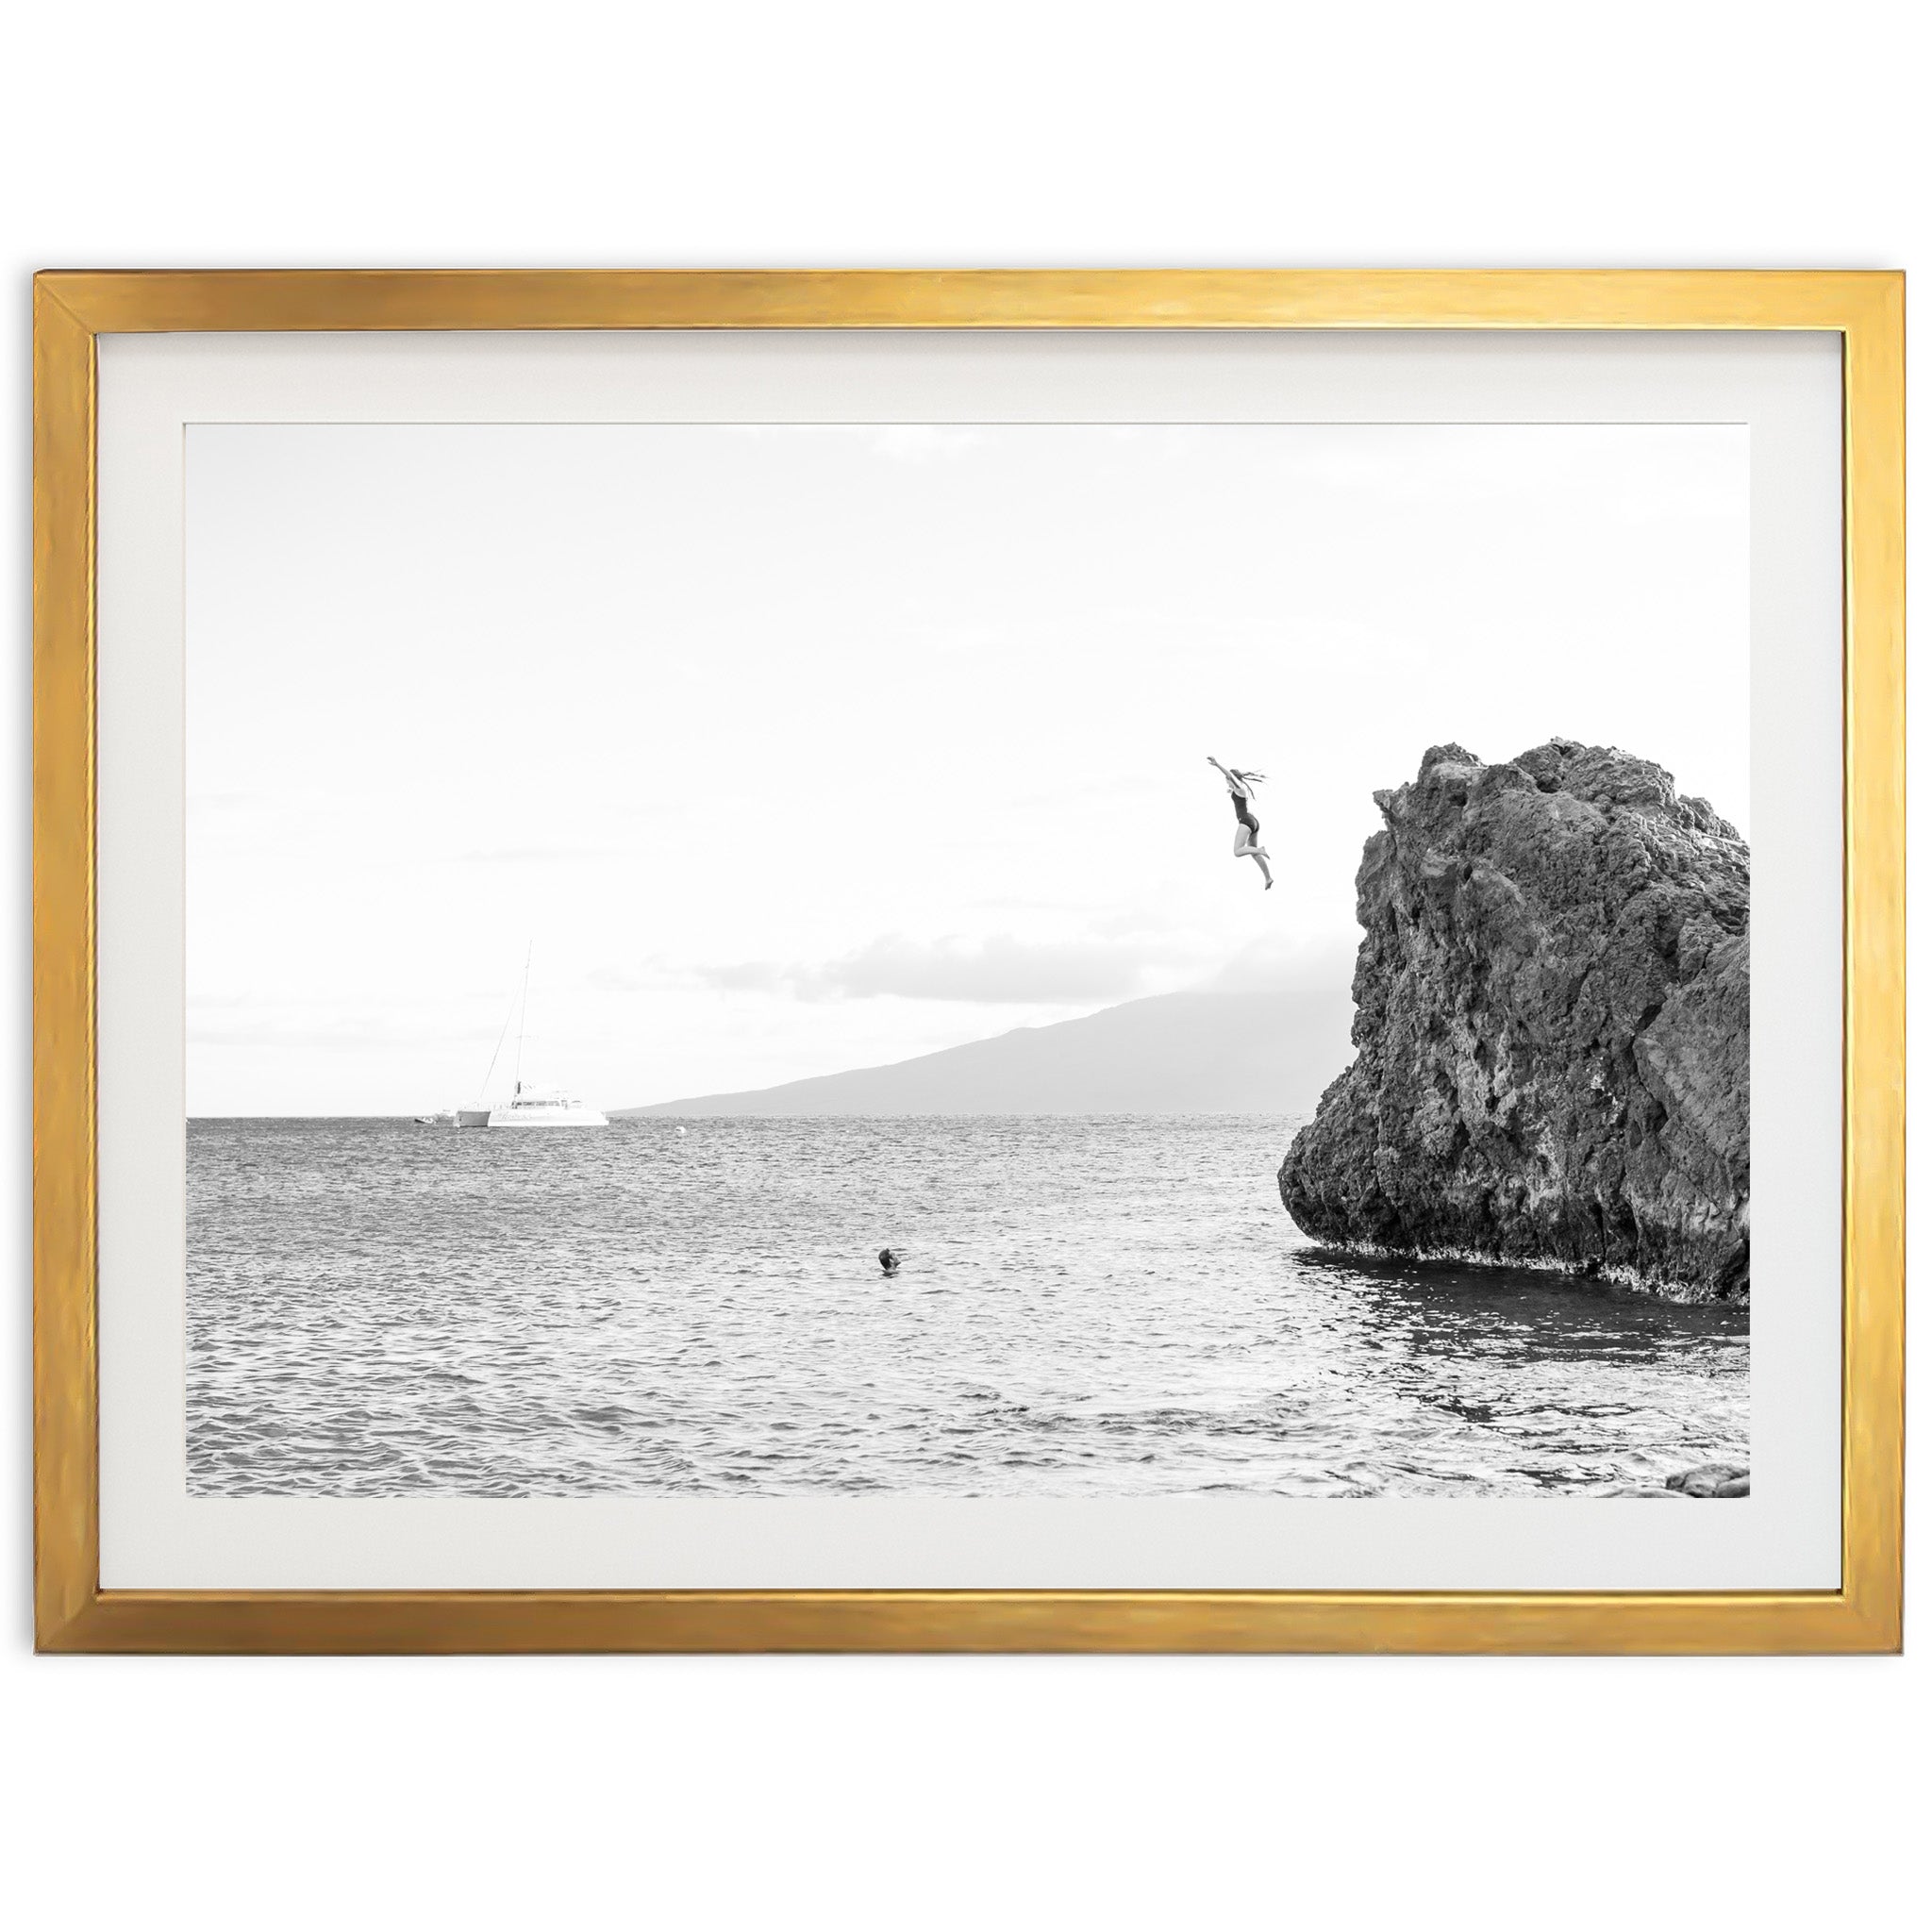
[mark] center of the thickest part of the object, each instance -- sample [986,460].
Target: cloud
[1287,965]
[280,1030]
[1123,958]
[993,972]
[345,1024]
[749,975]
[999,970]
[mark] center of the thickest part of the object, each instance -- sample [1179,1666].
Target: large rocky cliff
[1553,1026]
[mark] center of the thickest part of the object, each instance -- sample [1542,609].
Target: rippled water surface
[1113,1306]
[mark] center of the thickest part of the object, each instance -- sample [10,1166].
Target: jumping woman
[1247,838]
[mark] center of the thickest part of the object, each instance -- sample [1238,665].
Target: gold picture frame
[74,1613]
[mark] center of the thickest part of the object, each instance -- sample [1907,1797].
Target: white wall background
[1361,1791]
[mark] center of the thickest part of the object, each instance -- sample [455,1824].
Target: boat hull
[473,1116]
[546,1117]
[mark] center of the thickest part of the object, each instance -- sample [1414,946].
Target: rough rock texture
[1553,1011]
[1711,1479]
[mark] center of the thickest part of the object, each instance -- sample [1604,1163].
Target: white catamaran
[531,1107]
[527,1107]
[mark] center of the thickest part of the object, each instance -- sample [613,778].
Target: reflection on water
[1106,1307]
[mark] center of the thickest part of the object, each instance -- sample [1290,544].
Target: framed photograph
[983,961]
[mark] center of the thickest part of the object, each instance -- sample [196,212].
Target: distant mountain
[1176,1053]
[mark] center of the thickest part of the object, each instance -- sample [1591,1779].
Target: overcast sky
[800,748]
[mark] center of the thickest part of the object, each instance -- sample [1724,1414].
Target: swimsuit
[1244,815]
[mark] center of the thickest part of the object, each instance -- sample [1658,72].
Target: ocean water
[1087,1306]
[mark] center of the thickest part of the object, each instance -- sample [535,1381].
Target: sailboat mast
[523,1015]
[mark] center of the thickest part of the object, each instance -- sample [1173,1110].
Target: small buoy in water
[889,1261]
[681,1130]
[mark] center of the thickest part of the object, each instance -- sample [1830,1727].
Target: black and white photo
[981,959]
